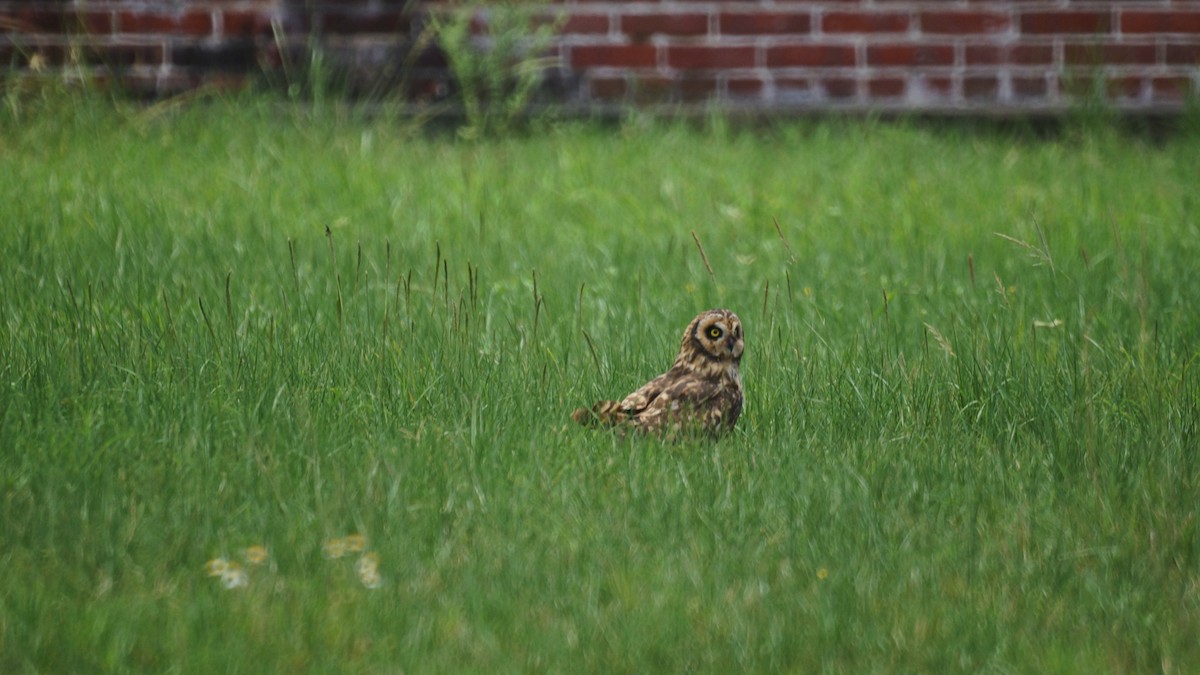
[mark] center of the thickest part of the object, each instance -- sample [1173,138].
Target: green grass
[935,471]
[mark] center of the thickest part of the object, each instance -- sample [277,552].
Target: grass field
[970,440]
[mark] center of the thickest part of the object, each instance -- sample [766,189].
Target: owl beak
[732,342]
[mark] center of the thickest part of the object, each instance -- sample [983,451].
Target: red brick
[1024,55]
[653,88]
[55,21]
[1109,54]
[642,26]
[614,56]
[938,85]
[698,88]
[688,57]
[1183,54]
[225,56]
[791,86]
[187,23]
[864,22]
[355,23]
[765,23]
[964,23]
[810,56]
[1030,87]
[1160,22]
[839,87]
[585,24]
[1124,87]
[608,88]
[745,87]
[981,87]
[245,23]
[885,87]
[125,56]
[910,55]
[1070,22]
[986,55]
[92,23]
[34,20]
[1172,88]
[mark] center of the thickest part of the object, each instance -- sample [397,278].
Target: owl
[701,392]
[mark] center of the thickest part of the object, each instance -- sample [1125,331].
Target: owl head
[713,336]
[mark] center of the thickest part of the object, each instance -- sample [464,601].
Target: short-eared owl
[702,391]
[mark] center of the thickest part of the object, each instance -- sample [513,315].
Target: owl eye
[714,332]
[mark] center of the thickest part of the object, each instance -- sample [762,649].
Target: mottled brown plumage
[701,392]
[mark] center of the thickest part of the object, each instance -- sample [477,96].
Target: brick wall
[924,55]
[935,55]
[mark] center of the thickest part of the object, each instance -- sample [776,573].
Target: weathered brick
[839,88]
[95,23]
[55,20]
[711,57]
[760,22]
[981,87]
[1124,87]
[613,56]
[124,55]
[652,89]
[228,56]
[965,22]
[1018,54]
[1066,22]
[1109,54]
[796,89]
[886,87]
[245,23]
[810,56]
[864,22]
[910,55]
[642,26]
[698,88]
[939,85]
[194,23]
[354,23]
[1030,87]
[34,20]
[608,88]
[1183,54]
[1172,88]
[1164,22]
[745,87]
[586,24]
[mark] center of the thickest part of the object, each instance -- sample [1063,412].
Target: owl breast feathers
[701,392]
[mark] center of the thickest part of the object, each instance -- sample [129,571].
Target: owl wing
[647,394]
[668,401]
[644,402]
